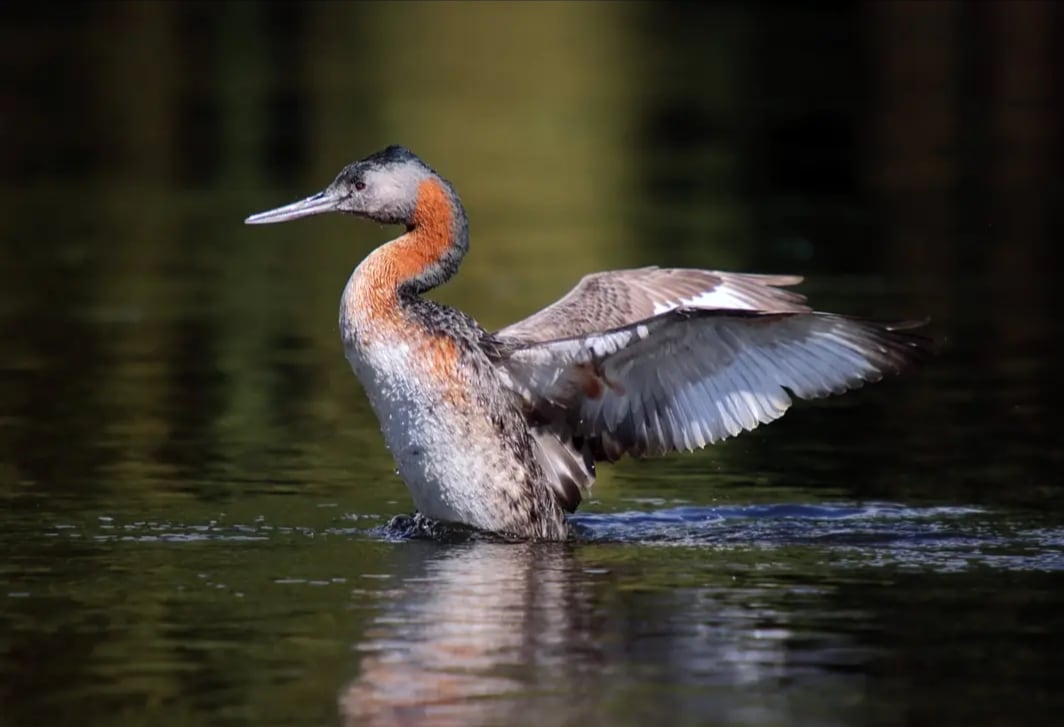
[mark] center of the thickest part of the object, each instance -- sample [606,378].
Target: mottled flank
[501,432]
[455,429]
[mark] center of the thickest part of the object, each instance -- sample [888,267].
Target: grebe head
[382,187]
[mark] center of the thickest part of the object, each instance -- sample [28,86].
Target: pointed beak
[328,200]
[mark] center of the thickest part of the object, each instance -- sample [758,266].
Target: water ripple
[947,538]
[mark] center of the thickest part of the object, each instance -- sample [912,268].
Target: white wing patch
[732,292]
[720,298]
[609,300]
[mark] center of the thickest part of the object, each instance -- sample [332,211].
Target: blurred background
[903,156]
[173,389]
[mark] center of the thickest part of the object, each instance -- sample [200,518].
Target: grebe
[501,431]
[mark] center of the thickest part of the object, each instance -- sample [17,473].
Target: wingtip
[909,324]
[788,280]
[917,347]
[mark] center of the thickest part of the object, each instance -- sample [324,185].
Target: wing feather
[609,300]
[688,377]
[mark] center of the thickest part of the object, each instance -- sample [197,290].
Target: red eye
[360,186]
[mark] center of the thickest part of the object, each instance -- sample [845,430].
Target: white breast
[448,456]
[445,447]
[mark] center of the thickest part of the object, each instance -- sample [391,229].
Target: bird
[501,431]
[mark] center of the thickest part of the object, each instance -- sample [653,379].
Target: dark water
[194,491]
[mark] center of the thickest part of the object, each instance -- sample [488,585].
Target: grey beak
[328,200]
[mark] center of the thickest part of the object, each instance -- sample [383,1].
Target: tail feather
[569,471]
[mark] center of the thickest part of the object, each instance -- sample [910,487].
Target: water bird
[501,431]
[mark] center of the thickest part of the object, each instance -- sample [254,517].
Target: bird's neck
[426,256]
[434,244]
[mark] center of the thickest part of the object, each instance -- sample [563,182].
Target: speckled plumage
[501,431]
[455,433]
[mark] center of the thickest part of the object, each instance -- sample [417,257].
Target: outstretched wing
[604,301]
[688,377]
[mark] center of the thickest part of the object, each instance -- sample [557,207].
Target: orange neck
[426,256]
